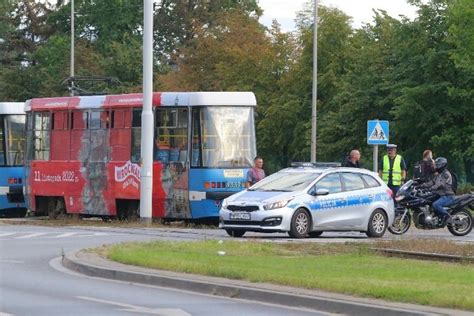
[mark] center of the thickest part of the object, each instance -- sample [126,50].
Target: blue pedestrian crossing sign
[377,132]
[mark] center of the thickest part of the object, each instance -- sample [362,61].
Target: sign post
[377,134]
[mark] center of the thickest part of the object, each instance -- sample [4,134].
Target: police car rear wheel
[377,224]
[300,224]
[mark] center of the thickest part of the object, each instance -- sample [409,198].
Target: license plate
[240,215]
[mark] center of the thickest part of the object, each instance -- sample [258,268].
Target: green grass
[349,269]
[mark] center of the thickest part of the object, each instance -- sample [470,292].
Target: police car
[308,199]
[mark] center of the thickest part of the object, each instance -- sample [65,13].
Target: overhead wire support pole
[71,82]
[146,173]
[315,83]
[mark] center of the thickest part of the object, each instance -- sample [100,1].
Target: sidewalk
[93,265]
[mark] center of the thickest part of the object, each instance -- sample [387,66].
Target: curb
[93,265]
[423,255]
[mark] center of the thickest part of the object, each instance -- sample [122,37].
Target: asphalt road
[33,282]
[191,234]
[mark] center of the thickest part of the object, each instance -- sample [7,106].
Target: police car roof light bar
[316,164]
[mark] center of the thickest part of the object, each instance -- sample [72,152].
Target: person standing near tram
[392,169]
[256,173]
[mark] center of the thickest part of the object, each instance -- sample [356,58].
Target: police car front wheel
[300,224]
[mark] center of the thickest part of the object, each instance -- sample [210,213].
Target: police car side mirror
[322,192]
[319,192]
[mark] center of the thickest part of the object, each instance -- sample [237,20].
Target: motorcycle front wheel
[401,224]
[461,222]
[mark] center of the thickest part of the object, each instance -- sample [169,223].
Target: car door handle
[371,196]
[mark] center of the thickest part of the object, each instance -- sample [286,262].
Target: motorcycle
[415,204]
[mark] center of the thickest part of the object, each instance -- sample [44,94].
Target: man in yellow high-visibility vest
[392,169]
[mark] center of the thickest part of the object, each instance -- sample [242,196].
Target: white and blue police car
[308,199]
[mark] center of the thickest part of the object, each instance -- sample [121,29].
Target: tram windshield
[223,137]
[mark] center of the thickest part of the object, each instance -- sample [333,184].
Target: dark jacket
[348,163]
[442,184]
[427,170]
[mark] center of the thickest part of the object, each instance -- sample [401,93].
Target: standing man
[256,173]
[392,169]
[353,160]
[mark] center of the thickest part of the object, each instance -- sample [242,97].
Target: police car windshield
[285,181]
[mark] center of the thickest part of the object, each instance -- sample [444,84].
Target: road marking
[140,309]
[65,235]
[5,314]
[30,235]
[10,261]
[6,234]
[101,234]
[49,235]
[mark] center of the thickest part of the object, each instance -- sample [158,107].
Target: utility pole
[71,82]
[315,83]
[146,173]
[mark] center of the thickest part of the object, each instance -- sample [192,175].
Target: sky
[284,11]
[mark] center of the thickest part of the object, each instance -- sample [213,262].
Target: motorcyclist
[441,184]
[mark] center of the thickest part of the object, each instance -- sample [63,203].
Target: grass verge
[348,268]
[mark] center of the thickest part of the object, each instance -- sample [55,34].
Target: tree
[233,54]
[363,91]
[24,30]
[288,118]
[461,24]
[433,102]
[178,21]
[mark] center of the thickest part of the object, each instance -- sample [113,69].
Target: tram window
[137,118]
[104,119]
[2,143]
[167,118]
[223,137]
[99,120]
[196,160]
[95,120]
[15,139]
[171,135]
[136,134]
[42,122]
[29,122]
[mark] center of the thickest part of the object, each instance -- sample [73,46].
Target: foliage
[461,16]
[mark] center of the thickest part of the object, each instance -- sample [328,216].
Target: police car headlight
[224,204]
[398,198]
[278,204]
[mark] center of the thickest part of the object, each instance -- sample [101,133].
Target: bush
[465,188]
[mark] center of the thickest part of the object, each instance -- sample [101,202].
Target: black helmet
[441,164]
